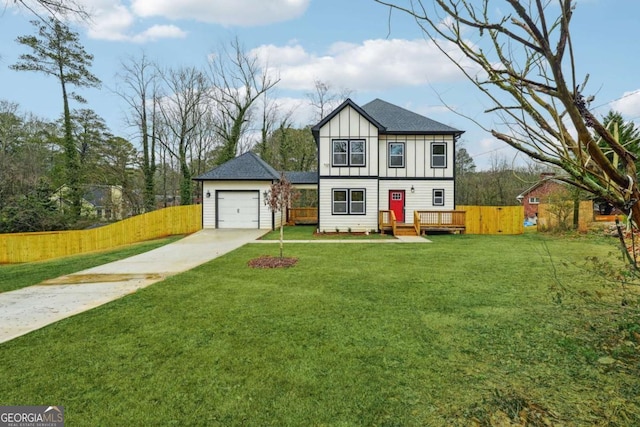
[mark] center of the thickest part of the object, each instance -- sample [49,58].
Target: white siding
[209,208]
[421,199]
[348,124]
[417,156]
[357,223]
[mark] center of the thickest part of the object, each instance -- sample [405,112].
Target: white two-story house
[379,157]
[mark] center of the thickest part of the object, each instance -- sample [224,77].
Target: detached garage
[232,194]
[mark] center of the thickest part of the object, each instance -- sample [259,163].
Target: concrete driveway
[34,307]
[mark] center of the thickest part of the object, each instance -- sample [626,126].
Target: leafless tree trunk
[324,98]
[182,113]
[527,55]
[139,90]
[239,80]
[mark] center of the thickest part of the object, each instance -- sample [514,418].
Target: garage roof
[250,167]
[247,167]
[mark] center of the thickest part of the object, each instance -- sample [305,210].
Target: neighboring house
[381,157]
[103,202]
[539,193]
[234,193]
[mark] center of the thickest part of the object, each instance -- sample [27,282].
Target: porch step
[405,230]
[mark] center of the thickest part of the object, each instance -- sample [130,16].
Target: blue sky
[345,43]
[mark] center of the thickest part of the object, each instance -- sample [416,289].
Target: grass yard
[307,232]
[16,276]
[467,329]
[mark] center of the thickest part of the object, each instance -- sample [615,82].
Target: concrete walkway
[397,239]
[27,309]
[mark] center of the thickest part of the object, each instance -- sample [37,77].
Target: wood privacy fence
[28,247]
[302,216]
[560,215]
[493,219]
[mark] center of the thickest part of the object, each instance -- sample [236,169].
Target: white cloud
[113,21]
[110,22]
[628,104]
[371,65]
[157,32]
[225,12]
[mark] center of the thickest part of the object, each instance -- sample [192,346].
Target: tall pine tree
[57,52]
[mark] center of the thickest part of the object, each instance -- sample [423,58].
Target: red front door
[396,204]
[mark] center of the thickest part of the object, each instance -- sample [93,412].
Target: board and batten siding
[417,156]
[209,203]
[348,124]
[357,223]
[421,199]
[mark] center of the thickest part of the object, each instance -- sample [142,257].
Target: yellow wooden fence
[493,219]
[549,216]
[28,247]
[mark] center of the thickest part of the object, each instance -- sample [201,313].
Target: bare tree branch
[526,54]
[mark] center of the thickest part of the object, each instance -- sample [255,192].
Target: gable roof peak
[347,102]
[248,166]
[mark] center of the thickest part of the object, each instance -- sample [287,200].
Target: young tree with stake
[279,198]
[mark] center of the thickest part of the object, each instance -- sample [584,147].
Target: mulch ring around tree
[267,261]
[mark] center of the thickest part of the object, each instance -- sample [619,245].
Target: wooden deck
[450,221]
[423,222]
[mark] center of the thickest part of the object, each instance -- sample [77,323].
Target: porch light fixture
[208,194]
[265,197]
[413,190]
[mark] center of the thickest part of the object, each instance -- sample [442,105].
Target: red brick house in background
[539,193]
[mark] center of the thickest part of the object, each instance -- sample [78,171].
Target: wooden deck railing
[302,216]
[439,220]
[387,221]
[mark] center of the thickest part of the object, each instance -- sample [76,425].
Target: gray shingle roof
[302,177]
[389,118]
[247,167]
[398,120]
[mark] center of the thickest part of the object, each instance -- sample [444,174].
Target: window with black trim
[340,152]
[356,153]
[348,201]
[348,152]
[438,155]
[396,154]
[438,197]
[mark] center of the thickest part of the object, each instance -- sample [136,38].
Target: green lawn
[307,232]
[16,276]
[466,328]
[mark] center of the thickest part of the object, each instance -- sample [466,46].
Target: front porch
[423,222]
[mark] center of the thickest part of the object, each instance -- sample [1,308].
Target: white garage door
[238,209]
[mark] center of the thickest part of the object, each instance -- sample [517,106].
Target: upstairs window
[438,155]
[356,152]
[396,154]
[534,200]
[348,152]
[340,151]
